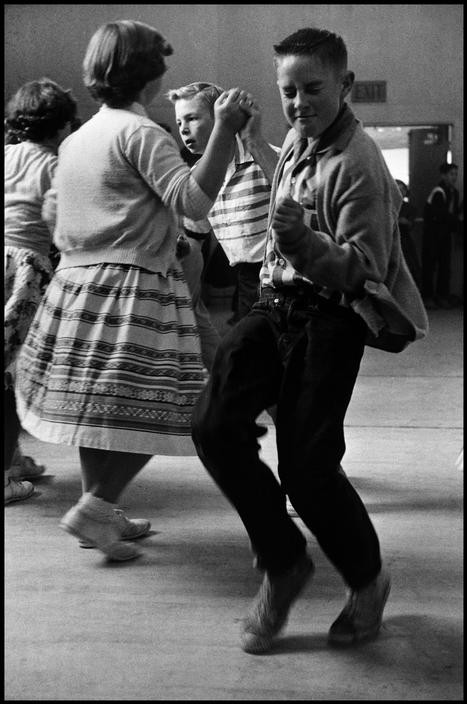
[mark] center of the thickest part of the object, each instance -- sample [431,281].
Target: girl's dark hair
[37,111]
[328,46]
[121,58]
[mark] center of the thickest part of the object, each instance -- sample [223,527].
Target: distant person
[112,363]
[194,267]
[407,216]
[190,251]
[440,221]
[331,270]
[38,117]
[239,215]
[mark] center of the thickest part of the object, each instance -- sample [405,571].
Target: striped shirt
[297,181]
[240,213]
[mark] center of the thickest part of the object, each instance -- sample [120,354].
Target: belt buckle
[276,301]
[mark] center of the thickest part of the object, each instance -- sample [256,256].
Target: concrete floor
[166,627]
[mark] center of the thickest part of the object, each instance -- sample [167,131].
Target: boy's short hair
[121,58]
[37,111]
[445,168]
[328,46]
[208,93]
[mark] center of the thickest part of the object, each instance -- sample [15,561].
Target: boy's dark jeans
[306,361]
[247,287]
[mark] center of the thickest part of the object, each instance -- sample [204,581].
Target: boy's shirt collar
[336,135]
[241,153]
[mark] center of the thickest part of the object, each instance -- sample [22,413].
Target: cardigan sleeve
[154,153]
[361,250]
[358,226]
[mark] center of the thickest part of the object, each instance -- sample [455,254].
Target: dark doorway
[414,154]
[429,147]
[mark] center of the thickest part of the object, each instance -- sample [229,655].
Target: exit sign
[369,92]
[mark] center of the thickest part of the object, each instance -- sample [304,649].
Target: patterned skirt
[26,275]
[112,361]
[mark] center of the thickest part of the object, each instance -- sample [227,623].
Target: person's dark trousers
[246,289]
[443,251]
[12,427]
[429,262]
[306,362]
[436,262]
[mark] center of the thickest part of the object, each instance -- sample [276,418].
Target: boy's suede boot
[362,615]
[272,604]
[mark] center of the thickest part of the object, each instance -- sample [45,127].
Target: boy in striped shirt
[240,212]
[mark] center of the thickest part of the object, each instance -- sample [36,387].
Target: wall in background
[416,49]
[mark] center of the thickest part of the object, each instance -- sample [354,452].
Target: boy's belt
[200,236]
[302,298]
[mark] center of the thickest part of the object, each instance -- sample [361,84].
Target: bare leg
[105,473]
[14,490]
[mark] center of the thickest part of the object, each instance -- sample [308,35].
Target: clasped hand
[232,108]
[287,220]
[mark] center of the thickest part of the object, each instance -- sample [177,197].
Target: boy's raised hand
[229,109]
[252,128]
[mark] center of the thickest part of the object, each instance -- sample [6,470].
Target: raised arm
[261,151]
[230,117]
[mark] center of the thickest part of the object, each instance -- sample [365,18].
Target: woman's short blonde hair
[121,58]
